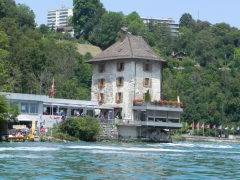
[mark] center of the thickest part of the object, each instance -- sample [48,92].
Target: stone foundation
[109,132]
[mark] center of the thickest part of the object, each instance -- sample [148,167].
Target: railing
[156,104]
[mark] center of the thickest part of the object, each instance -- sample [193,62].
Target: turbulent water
[110,160]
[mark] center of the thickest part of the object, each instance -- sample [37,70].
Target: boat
[19,136]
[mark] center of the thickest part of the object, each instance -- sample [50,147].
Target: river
[118,160]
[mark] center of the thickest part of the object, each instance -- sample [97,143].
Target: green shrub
[178,138]
[85,129]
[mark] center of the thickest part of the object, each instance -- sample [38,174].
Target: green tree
[85,129]
[23,15]
[5,6]
[147,96]
[108,30]
[3,113]
[186,20]
[86,14]
[135,24]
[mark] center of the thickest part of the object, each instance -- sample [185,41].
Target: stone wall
[133,88]
[109,132]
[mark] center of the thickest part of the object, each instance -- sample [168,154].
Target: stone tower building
[122,74]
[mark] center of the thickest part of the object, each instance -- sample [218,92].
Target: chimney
[123,34]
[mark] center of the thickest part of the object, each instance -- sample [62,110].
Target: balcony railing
[173,105]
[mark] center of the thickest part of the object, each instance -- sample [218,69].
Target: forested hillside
[208,86]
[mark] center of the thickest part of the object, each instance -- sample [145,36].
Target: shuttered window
[147,67]
[101,68]
[120,66]
[101,83]
[119,81]
[147,82]
[101,98]
[119,97]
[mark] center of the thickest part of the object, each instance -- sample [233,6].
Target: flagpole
[203,130]
[215,131]
[209,130]
[52,94]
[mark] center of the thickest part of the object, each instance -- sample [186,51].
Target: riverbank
[231,139]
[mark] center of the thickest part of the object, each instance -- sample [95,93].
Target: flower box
[118,101]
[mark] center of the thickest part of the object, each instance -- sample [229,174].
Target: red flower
[165,101]
[100,85]
[161,101]
[181,104]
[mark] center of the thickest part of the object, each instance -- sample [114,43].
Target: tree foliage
[86,14]
[7,113]
[85,129]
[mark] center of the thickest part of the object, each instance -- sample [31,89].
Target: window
[101,68]
[120,66]
[101,98]
[119,81]
[34,108]
[119,97]
[147,82]
[101,83]
[147,67]
[24,107]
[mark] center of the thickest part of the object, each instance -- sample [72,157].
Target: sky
[213,11]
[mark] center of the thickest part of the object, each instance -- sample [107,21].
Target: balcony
[161,106]
[166,125]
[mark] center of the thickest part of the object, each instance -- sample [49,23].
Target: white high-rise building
[59,17]
[172,24]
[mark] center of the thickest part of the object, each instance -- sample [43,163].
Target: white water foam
[29,149]
[215,146]
[126,149]
[3,156]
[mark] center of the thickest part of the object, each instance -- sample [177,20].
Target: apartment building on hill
[172,24]
[59,17]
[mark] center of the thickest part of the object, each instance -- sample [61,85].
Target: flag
[232,128]
[190,125]
[185,125]
[52,88]
[237,128]
[226,128]
[197,126]
[208,126]
[214,126]
[202,126]
[220,127]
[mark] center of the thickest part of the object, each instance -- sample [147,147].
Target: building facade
[172,24]
[59,17]
[49,111]
[122,75]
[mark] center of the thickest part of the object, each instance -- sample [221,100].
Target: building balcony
[163,106]
[165,125]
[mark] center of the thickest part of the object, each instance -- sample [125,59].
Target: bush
[178,138]
[85,129]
